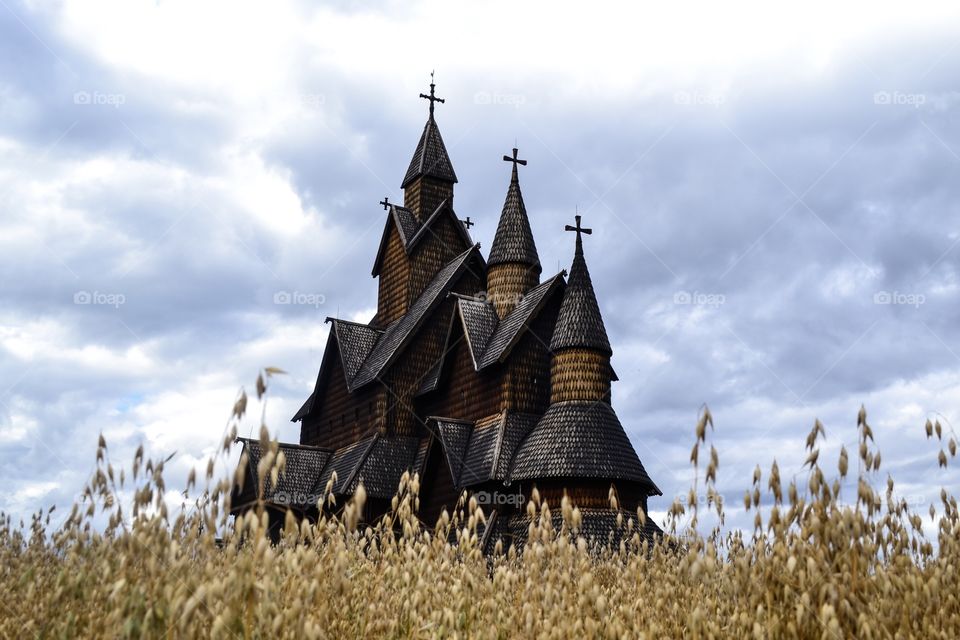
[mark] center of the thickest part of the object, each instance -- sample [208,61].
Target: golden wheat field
[812,568]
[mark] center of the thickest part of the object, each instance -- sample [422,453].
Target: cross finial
[467,223]
[514,159]
[578,228]
[432,97]
[385,203]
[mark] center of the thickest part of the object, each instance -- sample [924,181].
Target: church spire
[514,266]
[580,324]
[430,158]
[513,241]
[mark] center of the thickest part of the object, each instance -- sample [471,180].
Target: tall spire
[513,242]
[430,157]
[580,323]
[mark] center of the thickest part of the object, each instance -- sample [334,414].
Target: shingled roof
[430,157]
[412,231]
[354,341]
[346,462]
[597,526]
[294,486]
[492,445]
[580,323]
[384,464]
[454,436]
[479,320]
[488,338]
[579,440]
[513,241]
[398,334]
[509,330]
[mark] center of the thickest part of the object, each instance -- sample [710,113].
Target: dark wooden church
[477,374]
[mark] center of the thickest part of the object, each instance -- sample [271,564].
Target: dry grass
[812,568]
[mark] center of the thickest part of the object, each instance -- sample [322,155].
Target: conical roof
[580,323]
[513,241]
[430,157]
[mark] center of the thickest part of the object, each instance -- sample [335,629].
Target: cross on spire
[578,228]
[468,223]
[385,203]
[514,159]
[432,97]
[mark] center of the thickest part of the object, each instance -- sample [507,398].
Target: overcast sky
[773,192]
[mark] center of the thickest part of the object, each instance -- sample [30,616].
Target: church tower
[580,370]
[513,268]
[580,435]
[430,177]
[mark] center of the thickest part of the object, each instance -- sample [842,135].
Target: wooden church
[476,373]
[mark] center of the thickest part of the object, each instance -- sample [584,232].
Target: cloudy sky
[774,194]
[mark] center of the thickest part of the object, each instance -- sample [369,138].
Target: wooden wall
[424,195]
[462,392]
[340,418]
[526,385]
[507,283]
[580,374]
[394,284]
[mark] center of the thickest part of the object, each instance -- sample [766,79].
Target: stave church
[477,373]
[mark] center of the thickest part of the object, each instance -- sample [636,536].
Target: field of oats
[813,567]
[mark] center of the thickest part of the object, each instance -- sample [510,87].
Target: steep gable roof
[511,328]
[354,343]
[430,157]
[580,323]
[346,462]
[294,486]
[479,320]
[492,445]
[385,462]
[396,336]
[454,436]
[411,231]
[489,339]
